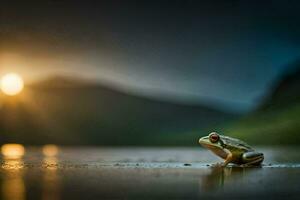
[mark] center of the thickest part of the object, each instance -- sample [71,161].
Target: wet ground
[144,173]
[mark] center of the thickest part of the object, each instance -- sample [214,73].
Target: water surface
[146,173]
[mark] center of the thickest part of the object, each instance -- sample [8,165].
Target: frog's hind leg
[252,158]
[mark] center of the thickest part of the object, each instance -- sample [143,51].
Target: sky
[227,54]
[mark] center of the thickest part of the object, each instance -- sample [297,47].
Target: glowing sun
[11,84]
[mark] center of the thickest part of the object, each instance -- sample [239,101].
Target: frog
[232,150]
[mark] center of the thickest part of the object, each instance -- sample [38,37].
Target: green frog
[232,150]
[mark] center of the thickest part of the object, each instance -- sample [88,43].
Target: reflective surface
[54,173]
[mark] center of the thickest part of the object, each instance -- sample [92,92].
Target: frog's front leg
[228,159]
[252,158]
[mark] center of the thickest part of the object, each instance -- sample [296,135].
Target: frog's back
[233,143]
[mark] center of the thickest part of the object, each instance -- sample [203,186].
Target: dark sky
[194,51]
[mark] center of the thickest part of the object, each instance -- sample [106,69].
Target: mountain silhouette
[71,111]
[277,120]
[285,92]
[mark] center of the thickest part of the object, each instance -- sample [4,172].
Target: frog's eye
[214,137]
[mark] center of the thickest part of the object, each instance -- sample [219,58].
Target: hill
[277,120]
[76,112]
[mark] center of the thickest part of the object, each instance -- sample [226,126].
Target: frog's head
[212,141]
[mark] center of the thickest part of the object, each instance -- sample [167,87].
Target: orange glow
[12,164]
[50,163]
[50,150]
[12,151]
[11,84]
[13,188]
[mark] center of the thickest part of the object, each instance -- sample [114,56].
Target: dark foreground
[146,173]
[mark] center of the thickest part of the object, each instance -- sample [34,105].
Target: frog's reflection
[219,176]
[51,182]
[13,186]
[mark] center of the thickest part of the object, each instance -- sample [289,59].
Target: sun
[11,84]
